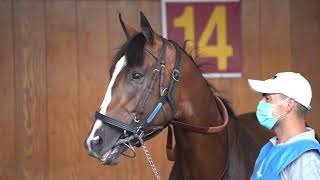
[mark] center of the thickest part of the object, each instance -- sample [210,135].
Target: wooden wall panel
[93,77]
[305,38]
[7,96]
[30,90]
[275,37]
[64,140]
[251,61]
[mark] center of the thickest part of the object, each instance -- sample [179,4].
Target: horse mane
[133,49]
[188,51]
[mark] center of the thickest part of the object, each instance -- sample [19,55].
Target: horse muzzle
[100,149]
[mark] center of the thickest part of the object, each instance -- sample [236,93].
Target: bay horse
[155,85]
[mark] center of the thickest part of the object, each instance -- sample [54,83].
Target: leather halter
[138,127]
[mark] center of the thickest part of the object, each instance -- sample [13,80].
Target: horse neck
[198,155]
[195,102]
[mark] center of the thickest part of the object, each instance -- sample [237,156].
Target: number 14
[217,20]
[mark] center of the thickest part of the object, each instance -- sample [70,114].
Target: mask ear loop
[278,117]
[284,113]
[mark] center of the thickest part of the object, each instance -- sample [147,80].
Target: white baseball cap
[290,84]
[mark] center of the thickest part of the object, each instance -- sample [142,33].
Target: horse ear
[146,28]
[128,30]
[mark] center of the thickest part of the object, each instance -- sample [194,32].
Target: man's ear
[291,104]
[128,30]
[146,28]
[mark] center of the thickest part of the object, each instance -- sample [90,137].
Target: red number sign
[212,28]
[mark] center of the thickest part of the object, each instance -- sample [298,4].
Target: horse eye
[137,76]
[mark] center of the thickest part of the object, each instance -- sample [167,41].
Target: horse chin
[112,157]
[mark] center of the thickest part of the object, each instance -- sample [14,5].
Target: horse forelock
[133,49]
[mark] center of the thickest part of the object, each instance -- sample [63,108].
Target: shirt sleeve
[306,167]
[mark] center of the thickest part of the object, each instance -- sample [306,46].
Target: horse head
[141,83]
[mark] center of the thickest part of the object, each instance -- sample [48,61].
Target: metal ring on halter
[163,91]
[174,73]
[129,145]
[136,120]
[155,70]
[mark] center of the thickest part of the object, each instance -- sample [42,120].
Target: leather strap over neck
[206,130]
[198,129]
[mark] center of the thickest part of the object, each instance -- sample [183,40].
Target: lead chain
[148,155]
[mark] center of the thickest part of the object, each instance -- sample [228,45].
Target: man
[294,152]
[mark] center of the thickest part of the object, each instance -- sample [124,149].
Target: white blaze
[107,99]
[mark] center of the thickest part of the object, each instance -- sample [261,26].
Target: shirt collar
[309,135]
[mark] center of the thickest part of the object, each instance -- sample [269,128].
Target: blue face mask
[264,115]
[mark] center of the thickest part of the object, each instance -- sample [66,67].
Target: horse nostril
[96,142]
